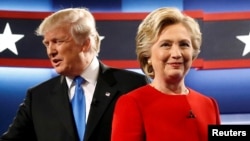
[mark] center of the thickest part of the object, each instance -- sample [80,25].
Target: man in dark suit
[72,44]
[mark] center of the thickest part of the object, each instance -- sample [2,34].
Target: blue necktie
[79,107]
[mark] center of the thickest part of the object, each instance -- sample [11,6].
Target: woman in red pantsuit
[167,43]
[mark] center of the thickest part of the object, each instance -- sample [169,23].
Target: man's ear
[86,45]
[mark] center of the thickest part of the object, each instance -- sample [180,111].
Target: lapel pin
[107,93]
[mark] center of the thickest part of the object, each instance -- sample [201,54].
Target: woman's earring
[149,62]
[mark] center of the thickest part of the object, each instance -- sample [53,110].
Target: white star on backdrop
[8,40]
[245,39]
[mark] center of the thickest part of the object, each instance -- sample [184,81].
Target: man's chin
[59,70]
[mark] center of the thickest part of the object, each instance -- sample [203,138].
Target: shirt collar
[90,74]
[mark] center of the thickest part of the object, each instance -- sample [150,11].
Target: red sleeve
[127,120]
[218,121]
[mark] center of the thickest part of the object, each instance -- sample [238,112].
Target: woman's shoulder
[198,96]
[138,94]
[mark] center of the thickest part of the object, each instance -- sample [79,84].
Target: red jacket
[146,114]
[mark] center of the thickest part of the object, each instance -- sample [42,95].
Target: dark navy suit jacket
[46,115]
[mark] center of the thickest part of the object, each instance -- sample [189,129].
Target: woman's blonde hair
[151,27]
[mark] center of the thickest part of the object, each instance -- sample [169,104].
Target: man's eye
[58,41]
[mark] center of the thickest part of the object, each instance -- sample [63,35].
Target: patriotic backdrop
[226,39]
[221,70]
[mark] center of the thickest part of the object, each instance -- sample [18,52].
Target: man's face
[64,53]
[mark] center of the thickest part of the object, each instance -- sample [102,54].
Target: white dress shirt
[90,75]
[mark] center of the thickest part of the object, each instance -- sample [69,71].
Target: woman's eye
[165,45]
[184,44]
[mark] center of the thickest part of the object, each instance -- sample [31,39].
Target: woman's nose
[175,51]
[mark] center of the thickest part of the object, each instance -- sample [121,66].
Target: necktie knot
[79,80]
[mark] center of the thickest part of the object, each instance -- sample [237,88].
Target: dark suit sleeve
[21,128]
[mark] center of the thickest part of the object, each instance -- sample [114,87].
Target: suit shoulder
[127,72]
[131,75]
[47,83]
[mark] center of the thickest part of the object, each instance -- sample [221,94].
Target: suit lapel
[103,95]
[60,102]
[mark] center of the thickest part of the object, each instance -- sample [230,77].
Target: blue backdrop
[230,87]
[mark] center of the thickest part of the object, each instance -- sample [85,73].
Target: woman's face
[171,54]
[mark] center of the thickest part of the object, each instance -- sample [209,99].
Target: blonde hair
[81,22]
[151,27]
